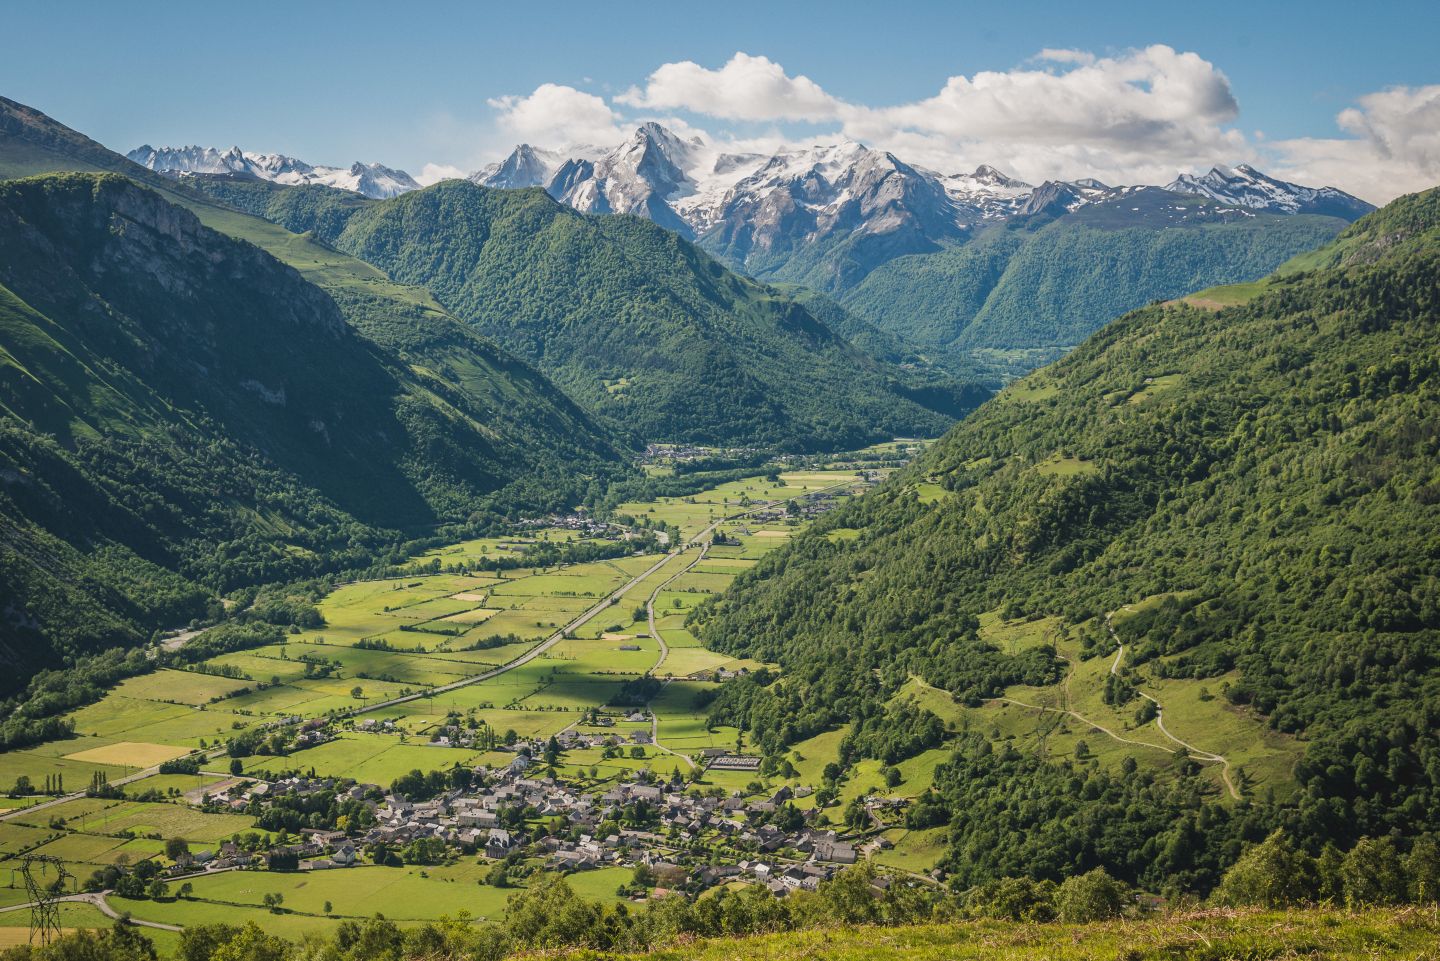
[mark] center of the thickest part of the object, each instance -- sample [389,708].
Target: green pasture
[914,851]
[184,687]
[179,782]
[602,655]
[1012,637]
[368,758]
[168,820]
[37,766]
[693,513]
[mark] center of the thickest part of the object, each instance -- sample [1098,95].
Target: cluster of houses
[475,819]
[454,735]
[656,453]
[675,832]
[804,508]
[579,520]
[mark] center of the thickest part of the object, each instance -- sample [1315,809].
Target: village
[682,836]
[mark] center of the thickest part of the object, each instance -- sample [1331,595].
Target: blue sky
[360,80]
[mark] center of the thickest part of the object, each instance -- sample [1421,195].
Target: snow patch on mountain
[987,190]
[748,202]
[1244,186]
[371,180]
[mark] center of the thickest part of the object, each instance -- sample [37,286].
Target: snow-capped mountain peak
[1244,186]
[987,190]
[653,157]
[526,166]
[748,205]
[372,180]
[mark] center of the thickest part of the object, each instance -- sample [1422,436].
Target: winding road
[97,899]
[1200,755]
[650,604]
[704,543]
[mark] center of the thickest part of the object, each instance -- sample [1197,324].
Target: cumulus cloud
[557,115]
[1144,113]
[1393,147]
[434,173]
[1139,116]
[745,88]
[1053,55]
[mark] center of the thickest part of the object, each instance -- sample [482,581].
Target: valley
[813,540]
[473,660]
[451,667]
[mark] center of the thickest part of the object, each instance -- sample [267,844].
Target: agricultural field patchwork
[385,649]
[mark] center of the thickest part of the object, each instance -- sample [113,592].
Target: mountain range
[846,185]
[966,268]
[963,266]
[194,398]
[692,186]
[537,343]
[636,323]
[368,180]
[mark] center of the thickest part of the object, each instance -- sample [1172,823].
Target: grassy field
[1039,720]
[693,513]
[409,894]
[1319,935]
[163,819]
[38,764]
[15,925]
[1228,295]
[399,893]
[129,754]
[915,851]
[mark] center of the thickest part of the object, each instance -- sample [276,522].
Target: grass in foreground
[1319,935]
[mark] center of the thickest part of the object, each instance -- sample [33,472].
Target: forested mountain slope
[183,414]
[405,320]
[1260,483]
[1050,280]
[637,324]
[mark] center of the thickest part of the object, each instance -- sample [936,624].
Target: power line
[45,878]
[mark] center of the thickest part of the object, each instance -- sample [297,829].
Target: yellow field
[129,754]
[14,937]
[472,617]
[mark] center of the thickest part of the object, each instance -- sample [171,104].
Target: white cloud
[556,115]
[1140,115]
[1053,55]
[434,173]
[1144,114]
[745,88]
[1394,147]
